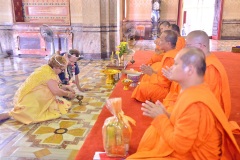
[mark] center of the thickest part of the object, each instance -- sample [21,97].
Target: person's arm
[78,85]
[53,85]
[182,133]
[147,70]
[77,71]
[66,87]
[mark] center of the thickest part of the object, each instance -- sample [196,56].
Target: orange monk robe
[157,87]
[180,43]
[156,57]
[197,129]
[217,79]
[157,65]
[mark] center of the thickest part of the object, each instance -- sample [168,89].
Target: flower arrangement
[121,49]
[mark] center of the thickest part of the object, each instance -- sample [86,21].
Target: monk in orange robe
[157,87]
[181,40]
[159,51]
[215,76]
[197,127]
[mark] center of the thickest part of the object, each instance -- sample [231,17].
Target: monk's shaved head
[175,28]
[171,37]
[194,56]
[198,39]
[165,23]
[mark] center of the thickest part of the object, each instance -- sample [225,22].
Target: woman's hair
[57,61]
[73,52]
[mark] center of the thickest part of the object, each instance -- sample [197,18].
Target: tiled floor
[58,139]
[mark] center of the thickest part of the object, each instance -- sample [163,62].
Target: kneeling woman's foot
[4,116]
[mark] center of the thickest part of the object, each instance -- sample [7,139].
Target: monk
[216,76]
[159,52]
[154,86]
[181,40]
[197,127]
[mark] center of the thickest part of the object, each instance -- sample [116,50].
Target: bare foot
[4,116]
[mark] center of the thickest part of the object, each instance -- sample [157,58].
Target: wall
[6,12]
[139,14]
[76,11]
[97,29]
[97,25]
[6,21]
[231,20]
[169,10]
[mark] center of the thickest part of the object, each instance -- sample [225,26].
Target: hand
[146,69]
[71,95]
[69,88]
[153,110]
[167,72]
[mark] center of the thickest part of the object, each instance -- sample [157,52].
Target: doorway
[198,15]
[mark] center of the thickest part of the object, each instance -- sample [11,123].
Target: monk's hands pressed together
[146,69]
[167,72]
[153,110]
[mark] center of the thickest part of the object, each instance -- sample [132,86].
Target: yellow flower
[121,48]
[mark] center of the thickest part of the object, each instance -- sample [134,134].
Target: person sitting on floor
[37,99]
[197,127]
[72,70]
[215,76]
[153,85]
[181,40]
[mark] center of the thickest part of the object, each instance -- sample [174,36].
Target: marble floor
[59,139]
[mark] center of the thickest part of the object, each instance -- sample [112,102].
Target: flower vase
[119,60]
[122,59]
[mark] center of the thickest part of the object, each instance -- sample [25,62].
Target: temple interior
[95,28]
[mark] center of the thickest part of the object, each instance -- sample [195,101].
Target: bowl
[110,73]
[135,77]
[126,83]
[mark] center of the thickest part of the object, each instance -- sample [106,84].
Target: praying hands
[153,110]
[147,69]
[167,72]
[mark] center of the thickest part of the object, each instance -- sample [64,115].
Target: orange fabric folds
[197,129]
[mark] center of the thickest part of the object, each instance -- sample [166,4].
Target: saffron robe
[156,86]
[217,79]
[180,43]
[197,129]
[34,102]
[157,57]
[157,65]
